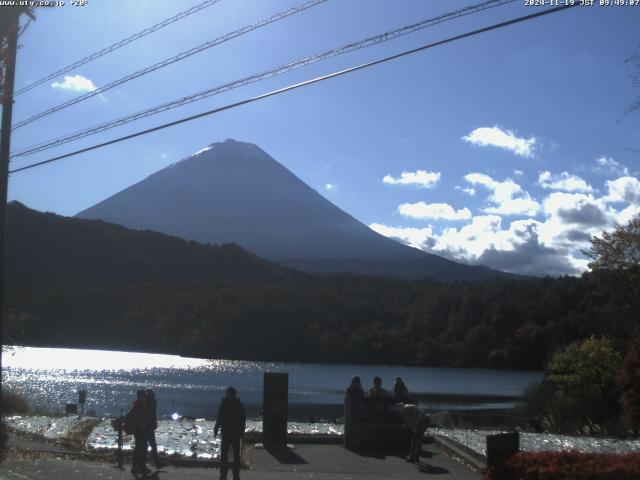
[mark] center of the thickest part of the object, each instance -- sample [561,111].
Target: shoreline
[187,355]
[465,397]
[186,439]
[329,412]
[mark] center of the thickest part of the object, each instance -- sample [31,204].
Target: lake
[51,377]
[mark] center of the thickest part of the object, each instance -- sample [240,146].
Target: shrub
[580,393]
[13,402]
[567,466]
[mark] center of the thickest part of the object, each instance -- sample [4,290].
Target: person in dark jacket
[232,421]
[152,425]
[377,392]
[400,391]
[355,391]
[137,417]
[418,421]
[355,397]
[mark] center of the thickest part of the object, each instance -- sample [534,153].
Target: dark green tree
[579,393]
[615,270]
[630,387]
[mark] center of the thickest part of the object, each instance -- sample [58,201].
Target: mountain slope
[44,249]
[235,192]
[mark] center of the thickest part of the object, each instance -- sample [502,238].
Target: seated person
[377,392]
[355,391]
[355,395]
[400,391]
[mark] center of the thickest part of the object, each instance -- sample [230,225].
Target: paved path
[335,462]
[305,461]
[24,443]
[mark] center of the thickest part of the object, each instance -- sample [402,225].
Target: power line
[299,85]
[119,44]
[174,59]
[383,37]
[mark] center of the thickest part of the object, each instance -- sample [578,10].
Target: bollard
[502,446]
[275,409]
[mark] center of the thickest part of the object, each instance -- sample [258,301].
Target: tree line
[327,318]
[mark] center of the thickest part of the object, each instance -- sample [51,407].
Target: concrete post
[275,409]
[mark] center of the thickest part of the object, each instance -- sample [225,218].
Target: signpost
[120,429]
[82,398]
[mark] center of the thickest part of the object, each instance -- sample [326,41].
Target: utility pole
[5,145]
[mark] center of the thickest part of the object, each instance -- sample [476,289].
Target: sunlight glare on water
[51,377]
[77,359]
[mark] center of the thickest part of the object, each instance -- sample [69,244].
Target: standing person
[152,425]
[400,391]
[377,392]
[136,422]
[232,421]
[417,421]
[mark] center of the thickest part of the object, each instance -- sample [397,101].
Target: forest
[329,318]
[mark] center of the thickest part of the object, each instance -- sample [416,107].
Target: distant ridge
[234,192]
[45,249]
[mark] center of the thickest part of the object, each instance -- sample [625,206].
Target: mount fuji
[234,192]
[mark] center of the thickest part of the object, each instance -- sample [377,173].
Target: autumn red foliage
[567,466]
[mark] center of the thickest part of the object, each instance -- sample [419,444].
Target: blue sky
[508,149]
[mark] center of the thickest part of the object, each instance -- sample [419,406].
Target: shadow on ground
[383,453]
[286,456]
[431,469]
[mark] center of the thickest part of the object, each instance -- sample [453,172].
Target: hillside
[44,249]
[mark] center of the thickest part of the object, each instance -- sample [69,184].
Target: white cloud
[330,186]
[421,178]
[436,211]
[469,191]
[76,83]
[506,139]
[623,189]
[563,181]
[526,253]
[518,173]
[566,219]
[610,166]
[575,208]
[508,197]
[516,206]
[414,237]
[572,219]
[527,246]
[516,249]
[625,215]
[468,242]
